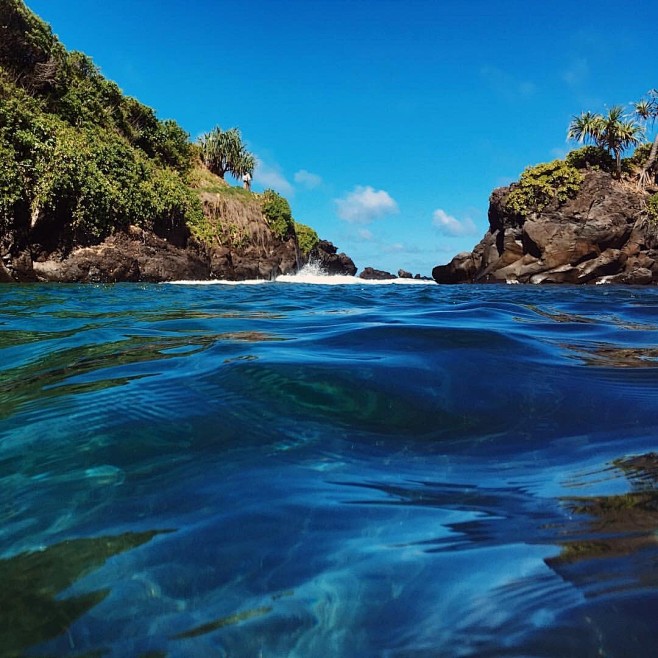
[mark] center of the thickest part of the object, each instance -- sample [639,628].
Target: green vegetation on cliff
[79,160]
[307,238]
[610,135]
[540,185]
[277,211]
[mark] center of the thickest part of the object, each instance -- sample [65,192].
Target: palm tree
[223,151]
[585,126]
[245,164]
[615,132]
[647,110]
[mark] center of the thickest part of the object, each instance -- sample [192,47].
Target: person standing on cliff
[246,181]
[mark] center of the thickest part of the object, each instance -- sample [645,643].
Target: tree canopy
[647,110]
[614,131]
[223,151]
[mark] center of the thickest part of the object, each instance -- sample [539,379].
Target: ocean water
[294,469]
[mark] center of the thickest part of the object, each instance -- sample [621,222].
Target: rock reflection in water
[608,356]
[32,610]
[618,526]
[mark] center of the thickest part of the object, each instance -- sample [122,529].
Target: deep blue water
[306,470]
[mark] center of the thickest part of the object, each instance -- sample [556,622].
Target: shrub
[278,214]
[652,207]
[307,238]
[595,157]
[641,154]
[540,185]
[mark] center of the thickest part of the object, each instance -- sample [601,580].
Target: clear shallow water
[308,470]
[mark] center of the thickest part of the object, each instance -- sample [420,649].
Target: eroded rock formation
[603,234]
[331,262]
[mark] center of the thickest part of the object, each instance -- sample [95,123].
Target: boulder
[135,255]
[376,275]
[324,253]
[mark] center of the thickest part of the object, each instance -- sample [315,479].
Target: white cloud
[395,248]
[364,204]
[365,234]
[307,179]
[506,84]
[449,225]
[270,176]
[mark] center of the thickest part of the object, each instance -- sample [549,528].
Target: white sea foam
[217,282]
[311,273]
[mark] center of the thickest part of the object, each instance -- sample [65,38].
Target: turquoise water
[302,470]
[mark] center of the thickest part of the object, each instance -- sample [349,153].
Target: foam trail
[314,274]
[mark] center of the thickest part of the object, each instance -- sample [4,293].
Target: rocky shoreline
[603,234]
[138,255]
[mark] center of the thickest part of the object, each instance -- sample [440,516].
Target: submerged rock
[601,235]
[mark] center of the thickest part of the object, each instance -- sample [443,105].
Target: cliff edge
[599,230]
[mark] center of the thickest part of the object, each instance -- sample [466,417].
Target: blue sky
[385,123]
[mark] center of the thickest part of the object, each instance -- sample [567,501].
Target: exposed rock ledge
[601,235]
[135,254]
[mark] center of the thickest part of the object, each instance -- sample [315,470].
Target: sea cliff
[599,232]
[94,187]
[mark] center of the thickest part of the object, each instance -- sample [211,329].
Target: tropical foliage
[540,185]
[307,238]
[80,160]
[647,110]
[223,151]
[278,214]
[652,208]
[614,131]
[591,157]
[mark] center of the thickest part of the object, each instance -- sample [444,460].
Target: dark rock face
[601,235]
[377,275]
[331,262]
[136,255]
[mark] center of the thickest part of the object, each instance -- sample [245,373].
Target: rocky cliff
[237,244]
[603,234]
[94,187]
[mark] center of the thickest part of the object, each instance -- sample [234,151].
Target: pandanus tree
[223,151]
[614,131]
[647,110]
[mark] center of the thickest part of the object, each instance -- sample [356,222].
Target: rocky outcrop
[376,275]
[133,255]
[601,235]
[242,246]
[324,253]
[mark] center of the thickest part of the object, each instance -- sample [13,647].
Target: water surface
[328,470]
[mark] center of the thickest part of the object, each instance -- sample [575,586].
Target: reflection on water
[609,356]
[612,527]
[33,605]
[87,368]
